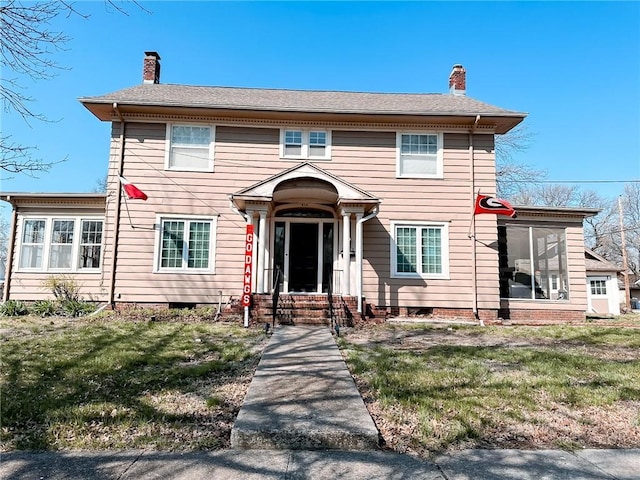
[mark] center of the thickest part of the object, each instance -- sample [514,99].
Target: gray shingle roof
[301,100]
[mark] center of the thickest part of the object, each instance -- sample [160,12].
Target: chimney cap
[152,54]
[458,80]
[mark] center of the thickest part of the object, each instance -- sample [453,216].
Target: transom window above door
[305,144]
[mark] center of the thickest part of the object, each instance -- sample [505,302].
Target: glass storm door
[304,254]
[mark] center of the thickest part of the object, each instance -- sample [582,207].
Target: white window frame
[168,141]
[157,255]
[48,233]
[603,281]
[439,155]
[444,239]
[306,133]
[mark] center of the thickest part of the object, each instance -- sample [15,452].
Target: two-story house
[368,197]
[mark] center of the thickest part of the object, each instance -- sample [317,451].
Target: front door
[303,253]
[303,257]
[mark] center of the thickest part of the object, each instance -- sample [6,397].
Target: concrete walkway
[302,404]
[302,397]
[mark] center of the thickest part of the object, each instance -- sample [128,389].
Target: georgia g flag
[485,204]
[132,192]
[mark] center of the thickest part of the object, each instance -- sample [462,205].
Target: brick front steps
[303,309]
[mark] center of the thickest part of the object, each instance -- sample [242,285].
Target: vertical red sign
[248,262]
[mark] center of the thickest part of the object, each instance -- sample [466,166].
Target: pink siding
[247,155]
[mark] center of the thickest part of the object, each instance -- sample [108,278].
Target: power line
[573,181]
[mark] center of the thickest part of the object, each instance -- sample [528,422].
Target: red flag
[485,204]
[133,192]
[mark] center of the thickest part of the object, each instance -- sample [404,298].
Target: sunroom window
[60,244]
[32,249]
[533,263]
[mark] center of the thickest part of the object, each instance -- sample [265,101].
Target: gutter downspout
[472,236]
[359,253]
[116,233]
[248,220]
[12,242]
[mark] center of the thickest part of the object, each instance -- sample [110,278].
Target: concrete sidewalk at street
[321,465]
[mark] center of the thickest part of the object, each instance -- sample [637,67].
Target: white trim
[304,155]
[611,286]
[162,217]
[287,244]
[444,228]
[253,122]
[439,155]
[167,146]
[46,246]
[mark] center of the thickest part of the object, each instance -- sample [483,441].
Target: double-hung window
[186,245]
[32,248]
[420,250]
[419,155]
[190,147]
[60,244]
[305,144]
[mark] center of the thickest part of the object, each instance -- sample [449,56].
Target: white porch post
[262,231]
[359,260]
[346,252]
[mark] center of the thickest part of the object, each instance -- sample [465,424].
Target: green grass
[454,393]
[109,383]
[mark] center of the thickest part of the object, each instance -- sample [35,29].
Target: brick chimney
[151,68]
[458,80]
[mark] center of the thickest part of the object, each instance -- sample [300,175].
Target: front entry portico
[308,226]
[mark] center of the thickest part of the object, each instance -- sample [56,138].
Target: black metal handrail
[276,297]
[330,300]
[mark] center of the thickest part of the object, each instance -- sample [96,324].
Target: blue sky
[573,67]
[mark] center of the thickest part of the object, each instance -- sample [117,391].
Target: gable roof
[596,263]
[301,101]
[265,189]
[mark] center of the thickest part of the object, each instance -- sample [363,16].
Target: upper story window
[60,244]
[305,143]
[186,244]
[419,155]
[190,147]
[420,250]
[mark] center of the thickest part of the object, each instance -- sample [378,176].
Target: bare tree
[27,53]
[631,221]
[512,177]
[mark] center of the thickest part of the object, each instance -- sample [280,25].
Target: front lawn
[113,383]
[433,388]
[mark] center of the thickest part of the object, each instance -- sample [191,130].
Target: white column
[261,251]
[359,260]
[267,259]
[346,252]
